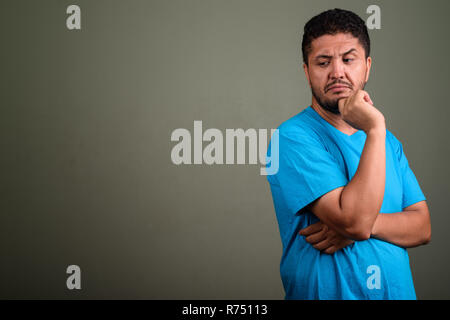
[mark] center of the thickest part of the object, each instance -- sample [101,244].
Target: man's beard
[331,105]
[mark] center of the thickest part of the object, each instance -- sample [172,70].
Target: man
[347,203]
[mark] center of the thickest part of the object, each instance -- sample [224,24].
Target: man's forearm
[362,198]
[409,228]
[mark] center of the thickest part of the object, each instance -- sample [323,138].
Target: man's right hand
[324,239]
[358,111]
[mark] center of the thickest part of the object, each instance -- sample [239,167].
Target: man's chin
[333,103]
[330,106]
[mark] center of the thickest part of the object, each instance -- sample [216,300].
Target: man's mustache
[338,82]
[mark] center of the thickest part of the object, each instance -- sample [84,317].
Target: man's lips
[338,87]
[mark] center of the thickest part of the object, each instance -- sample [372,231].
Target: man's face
[336,68]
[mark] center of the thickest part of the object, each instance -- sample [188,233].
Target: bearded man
[347,203]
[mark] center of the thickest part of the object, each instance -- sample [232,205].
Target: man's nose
[337,70]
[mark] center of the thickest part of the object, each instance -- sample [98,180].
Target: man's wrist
[377,131]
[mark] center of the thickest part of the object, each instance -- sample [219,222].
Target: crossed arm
[352,213]
[409,228]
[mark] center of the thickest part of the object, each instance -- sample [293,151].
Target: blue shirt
[315,158]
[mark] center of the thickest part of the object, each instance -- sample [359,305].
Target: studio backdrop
[97,96]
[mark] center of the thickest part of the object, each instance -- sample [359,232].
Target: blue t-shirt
[315,158]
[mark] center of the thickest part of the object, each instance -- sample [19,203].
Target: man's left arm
[409,228]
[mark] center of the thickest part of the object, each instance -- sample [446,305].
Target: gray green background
[86,118]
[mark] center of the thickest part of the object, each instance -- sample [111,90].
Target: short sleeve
[412,193]
[306,170]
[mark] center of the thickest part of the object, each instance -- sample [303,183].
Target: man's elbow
[427,235]
[426,240]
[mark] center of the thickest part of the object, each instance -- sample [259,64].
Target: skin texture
[337,72]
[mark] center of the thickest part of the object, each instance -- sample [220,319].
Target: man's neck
[334,119]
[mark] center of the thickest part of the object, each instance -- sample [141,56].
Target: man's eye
[323,64]
[348,60]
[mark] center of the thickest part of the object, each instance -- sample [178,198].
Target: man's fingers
[316,227]
[336,247]
[324,244]
[341,104]
[367,99]
[330,250]
[318,236]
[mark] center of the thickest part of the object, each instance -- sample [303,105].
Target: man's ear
[368,65]
[305,68]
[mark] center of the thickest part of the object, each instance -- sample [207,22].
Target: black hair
[332,22]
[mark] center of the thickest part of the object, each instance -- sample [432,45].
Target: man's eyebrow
[325,56]
[349,51]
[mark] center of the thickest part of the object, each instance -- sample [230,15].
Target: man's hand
[358,111]
[324,239]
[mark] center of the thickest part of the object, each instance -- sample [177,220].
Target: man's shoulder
[393,139]
[301,124]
